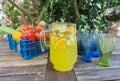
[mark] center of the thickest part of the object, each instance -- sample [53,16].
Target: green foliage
[6,30]
[26,4]
[91,12]
[60,10]
[12,13]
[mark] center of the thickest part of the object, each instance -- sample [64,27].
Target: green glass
[106,45]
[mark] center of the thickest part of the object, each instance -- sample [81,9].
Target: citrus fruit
[61,43]
[70,30]
[17,35]
[54,39]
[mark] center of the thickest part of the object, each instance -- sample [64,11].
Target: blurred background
[87,14]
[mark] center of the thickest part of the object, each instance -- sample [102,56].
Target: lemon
[54,39]
[70,30]
[61,43]
[17,35]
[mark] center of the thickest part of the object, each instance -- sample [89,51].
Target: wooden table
[92,72]
[14,68]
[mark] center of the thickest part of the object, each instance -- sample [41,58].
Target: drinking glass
[79,43]
[95,51]
[106,44]
[86,42]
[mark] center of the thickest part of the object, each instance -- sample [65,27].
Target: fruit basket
[26,48]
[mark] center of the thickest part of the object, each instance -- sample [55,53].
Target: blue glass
[95,51]
[88,45]
[86,42]
[79,43]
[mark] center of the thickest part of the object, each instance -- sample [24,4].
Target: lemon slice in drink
[61,43]
[54,39]
[70,30]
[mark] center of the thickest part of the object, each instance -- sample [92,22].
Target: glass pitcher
[63,45]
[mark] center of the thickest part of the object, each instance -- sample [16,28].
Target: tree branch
[43,11]
[34,4]
[76,12]
[22,10]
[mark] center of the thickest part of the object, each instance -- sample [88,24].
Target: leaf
[99,5]
[6,30]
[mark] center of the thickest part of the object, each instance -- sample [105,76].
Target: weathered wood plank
[22,62]
[93,65]
[28,77]
[3,44]
[15,57]
[117,47]
[80,65]
[4,48]
[3,38]
[3,41]
[116,52]
[7,52]
[23,70]
[14,68]
[53,75]
[104,74]
[101,80]
[92,72]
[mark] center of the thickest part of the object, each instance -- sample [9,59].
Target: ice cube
[63,28]
[70,41]
[61,35]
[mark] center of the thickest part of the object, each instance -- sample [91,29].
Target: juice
[63,48]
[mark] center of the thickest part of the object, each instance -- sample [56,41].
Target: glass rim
[108,35]
[69,23]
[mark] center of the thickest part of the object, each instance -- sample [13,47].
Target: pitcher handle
[43,43]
